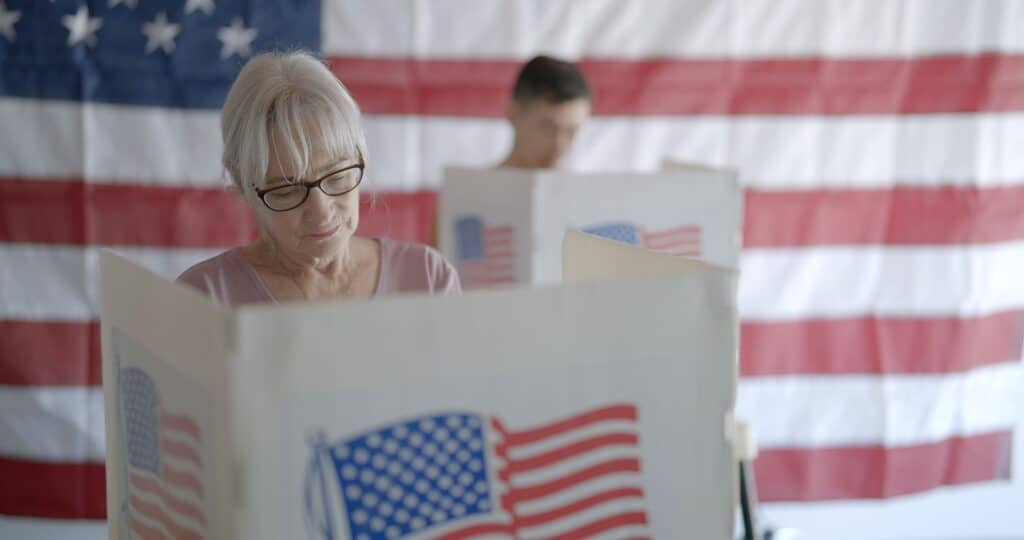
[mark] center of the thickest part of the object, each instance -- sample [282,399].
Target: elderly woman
[294,148]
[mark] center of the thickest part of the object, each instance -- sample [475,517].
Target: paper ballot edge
[156,313]
[586,258]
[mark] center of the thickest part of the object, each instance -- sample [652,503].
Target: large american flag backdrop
[880,145]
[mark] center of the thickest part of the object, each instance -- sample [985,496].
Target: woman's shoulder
[414,267]
[217,263]
[226,278]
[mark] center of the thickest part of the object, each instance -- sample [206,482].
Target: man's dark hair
[550,79]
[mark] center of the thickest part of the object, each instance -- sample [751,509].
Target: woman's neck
[312,278]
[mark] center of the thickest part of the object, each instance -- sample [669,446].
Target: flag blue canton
[141,417]
[100,51]
[469,236]
[409,476]
[619,232]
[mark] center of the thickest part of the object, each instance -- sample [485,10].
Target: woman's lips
[326,233]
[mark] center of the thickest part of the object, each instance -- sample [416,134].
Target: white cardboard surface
[280,392]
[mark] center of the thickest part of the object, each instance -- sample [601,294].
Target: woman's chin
[328,246]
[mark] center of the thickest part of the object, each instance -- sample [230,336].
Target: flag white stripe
[818,282]
[65,279]
[66,424]
[773,152]
[894,410]
[608,28]
[97,141]
[806,283]
[52,423]
[585,517]
[52,529]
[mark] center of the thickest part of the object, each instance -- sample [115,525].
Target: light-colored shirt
[230,279]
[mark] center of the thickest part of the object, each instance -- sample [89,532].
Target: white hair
[292,98]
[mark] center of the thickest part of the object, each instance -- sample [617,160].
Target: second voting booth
[505,226]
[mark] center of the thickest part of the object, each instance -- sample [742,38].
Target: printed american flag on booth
[486,255]
[464,475]
[683,241]
[164,461]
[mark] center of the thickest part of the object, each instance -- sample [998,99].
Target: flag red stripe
[528,436]
[28,489]
[532,520]
[625,519]
[893,216]
[180,423]
[175,503]
[517,495]
[180,450]
[146,532]
[568,451]
[783,86]
[155,513]
[831,473]
[36,353]
[93,213]
[191,217]
[182,480]
[871,472]
[880,345]
[46,353]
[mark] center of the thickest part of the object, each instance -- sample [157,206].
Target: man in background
[550,101]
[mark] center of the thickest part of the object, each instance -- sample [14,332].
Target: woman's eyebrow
[330,167]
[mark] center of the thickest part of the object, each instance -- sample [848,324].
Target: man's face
[544,131]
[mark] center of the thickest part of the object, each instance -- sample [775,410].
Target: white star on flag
[160,34]
[130,4]
[7,20]
[81,27]
[206,6]
[237,39]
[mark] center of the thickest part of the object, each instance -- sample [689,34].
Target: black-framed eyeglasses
[291,196]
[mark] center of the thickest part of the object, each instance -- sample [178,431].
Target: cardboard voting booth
[505,226]
[602,407]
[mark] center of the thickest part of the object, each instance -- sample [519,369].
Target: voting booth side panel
[527,411]
[486,225]
[589,258]
[165,350]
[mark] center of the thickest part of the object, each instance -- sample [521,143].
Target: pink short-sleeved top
[229,279]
